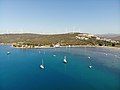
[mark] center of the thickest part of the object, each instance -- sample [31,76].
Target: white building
[57,45]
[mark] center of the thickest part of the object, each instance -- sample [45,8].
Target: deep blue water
[20,69]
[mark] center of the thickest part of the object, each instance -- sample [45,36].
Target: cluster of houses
[87,36]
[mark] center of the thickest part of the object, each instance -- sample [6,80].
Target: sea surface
[20,69]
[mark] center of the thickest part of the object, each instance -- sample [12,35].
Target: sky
[60,16]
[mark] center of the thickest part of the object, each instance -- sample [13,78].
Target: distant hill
[40,38]
[115,38]
[110,36]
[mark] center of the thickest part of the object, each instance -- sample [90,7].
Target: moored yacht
[65,60]
[42,66]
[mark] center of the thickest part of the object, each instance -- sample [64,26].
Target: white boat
[65,60]
[54,55]
[89,57]
[90,66]
[106,54]
[42,66]
[8,53]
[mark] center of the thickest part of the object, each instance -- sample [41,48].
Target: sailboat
[42,66]
[65,60]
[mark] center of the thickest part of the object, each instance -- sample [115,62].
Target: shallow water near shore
[20,69]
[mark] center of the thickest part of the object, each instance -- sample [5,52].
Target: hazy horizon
[60,33]
[60,16]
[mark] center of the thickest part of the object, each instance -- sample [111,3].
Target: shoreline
[47,47]
[80,46]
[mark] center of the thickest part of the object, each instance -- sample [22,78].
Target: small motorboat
[89,57]
[8,53]
[90,66]
[54,55]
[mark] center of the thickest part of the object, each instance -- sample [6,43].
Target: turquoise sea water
[20,69]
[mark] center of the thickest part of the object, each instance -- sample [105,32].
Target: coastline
[85,46]
[80,46]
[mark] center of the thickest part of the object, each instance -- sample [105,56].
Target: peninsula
[28,40]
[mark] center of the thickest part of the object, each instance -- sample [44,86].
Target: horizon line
[53,33]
